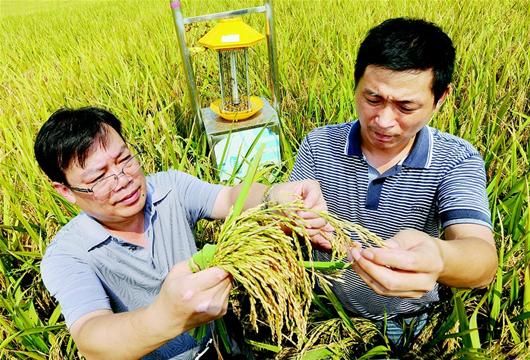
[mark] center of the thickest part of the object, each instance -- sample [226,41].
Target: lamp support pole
[273,65]
[186,61]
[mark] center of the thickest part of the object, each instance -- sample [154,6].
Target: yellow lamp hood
[230,34]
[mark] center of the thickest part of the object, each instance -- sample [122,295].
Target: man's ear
[64,191]
[441,100]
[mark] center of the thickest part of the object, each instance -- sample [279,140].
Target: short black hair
[402,44]
[68,135]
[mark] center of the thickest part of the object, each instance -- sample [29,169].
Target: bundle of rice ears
[262,249]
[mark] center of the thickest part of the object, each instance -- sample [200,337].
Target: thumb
[311,195]
[180,269]
[211,277]
[392,244]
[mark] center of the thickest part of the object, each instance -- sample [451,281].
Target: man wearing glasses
[119,269]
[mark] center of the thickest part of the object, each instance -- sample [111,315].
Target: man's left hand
[309,191]
[409,265]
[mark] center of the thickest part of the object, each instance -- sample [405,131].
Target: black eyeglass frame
[134,157]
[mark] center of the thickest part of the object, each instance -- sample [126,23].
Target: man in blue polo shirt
[120,268]
[403,180]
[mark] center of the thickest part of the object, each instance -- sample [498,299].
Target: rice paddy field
[123,55]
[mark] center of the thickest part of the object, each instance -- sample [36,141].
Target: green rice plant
[326,339]
[334,334]
[339,338]
[123,56]
[27,330]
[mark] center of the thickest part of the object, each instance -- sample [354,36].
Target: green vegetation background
[123,55]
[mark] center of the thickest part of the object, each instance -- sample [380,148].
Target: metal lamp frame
[180,21]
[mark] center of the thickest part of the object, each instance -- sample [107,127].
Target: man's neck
[382,159]
[130,230]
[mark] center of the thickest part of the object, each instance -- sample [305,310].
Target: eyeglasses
[103,187]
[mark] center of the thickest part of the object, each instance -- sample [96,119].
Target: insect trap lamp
[237,123]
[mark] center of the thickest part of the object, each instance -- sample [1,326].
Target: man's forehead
[400,85]
[98,155]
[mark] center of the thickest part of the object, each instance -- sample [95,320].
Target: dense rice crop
[122,55]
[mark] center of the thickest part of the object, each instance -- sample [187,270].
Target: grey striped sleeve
[462,194]
[70,279]
[304,164]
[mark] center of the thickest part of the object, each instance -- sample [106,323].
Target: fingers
[209,278]
[286,192]
[382,289]
[223,297]
[308,190]
[214,301]
[320,242]
[180,269]
[327,235]
[425,257]
[309,214]
[389,281]
[318,229]
[317,223]
[311,194]
[395,258]
[193,299]
[408,250]
[408,239]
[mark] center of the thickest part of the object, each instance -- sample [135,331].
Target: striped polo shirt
[441,182]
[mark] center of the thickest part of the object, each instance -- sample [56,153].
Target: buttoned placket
[376,182]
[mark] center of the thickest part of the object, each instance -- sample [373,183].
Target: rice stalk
[331,338]
[268,263]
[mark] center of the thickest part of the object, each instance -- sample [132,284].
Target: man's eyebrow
[411,101]
[89,172]
[122,150]
[408,102]
[370,92]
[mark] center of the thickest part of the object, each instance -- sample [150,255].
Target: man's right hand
[188,300]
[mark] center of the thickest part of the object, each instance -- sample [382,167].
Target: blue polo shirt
[87,269]
[441,182]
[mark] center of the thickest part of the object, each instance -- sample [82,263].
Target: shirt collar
[94,233]
[91,231]
[353,142]
[419,156]
[159,193]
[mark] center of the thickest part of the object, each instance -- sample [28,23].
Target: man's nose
[123,180]
[385,118]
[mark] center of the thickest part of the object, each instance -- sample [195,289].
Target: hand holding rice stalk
[269,264]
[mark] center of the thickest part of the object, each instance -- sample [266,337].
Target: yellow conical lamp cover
[230,34]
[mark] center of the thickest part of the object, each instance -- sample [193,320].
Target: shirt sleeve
[304,166]
[71,281]
[462,197]
[197,196]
